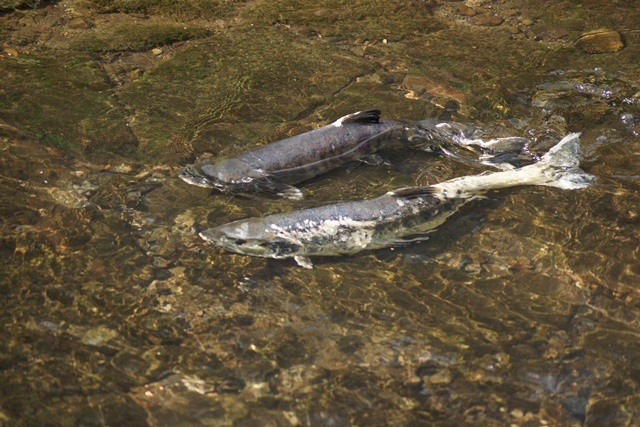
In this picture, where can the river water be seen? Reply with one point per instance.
(522, 309)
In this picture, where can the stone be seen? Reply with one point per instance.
(488, 20)
(11, 51)
(600, 41)
(517, 413)
(418, 85)
(465, 10)
(79, 23)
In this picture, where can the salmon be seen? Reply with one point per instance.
(273, 169)
(396, 218)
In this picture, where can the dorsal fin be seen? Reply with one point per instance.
(366, 116)
(411, 192)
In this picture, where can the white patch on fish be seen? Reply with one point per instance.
(338, 123)
(360, 235)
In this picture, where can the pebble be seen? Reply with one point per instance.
(600, 41)
(418, 85)
(441, 377)
(135, 74)
(10, 51)
(517, 413)
(79, 24)
(156, 51)
(549, 32)
(488, 20)
(465, 10)
(527, 21)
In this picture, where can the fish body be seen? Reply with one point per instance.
(449, 138)
(397, 217)
(344, 228)
(273, 168)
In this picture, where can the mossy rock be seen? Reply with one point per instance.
(384, 19)
(64, 100)
(185, 9)
(18, 4)
(135, 35)
(233, 88)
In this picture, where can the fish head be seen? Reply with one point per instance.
(192, 175)
(196, 175)
(253, 237)
(222, 174)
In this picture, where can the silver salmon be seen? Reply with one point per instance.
(273, 168)
(395, 218)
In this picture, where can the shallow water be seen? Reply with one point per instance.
(521, 309)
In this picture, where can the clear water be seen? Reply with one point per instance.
(522, 309)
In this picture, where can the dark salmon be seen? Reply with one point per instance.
(274, 167)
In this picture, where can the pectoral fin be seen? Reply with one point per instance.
(303, 261)
(269, 186)
(290, 192)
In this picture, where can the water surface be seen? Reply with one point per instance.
(522, 309)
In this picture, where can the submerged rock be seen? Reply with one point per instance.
(489, 20)
(600, 41)
(11, 4)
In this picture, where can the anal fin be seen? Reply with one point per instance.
(267, 185)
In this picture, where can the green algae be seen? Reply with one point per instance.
(253, 76)
(185, 9)
(388, 19)
(14, 4)
(64, 100)
(132, 36)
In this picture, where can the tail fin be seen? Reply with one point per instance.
(558, 168)
(449, 138)
(564, 164)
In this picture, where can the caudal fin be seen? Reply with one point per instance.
(563, 165)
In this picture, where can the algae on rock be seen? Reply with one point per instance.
(255, 76)
(84, 117)
(128, 34)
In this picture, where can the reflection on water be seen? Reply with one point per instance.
(522, 309)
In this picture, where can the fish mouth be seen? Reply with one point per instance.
(275, 247)
(193, 175)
